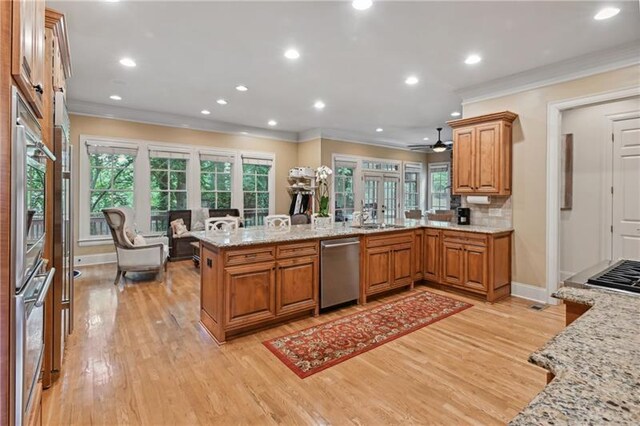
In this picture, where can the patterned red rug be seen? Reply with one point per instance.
(322, 346)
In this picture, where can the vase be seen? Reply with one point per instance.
(322, 222)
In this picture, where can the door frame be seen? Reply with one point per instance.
(554, 136)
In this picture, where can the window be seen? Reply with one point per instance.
(255, 189)
(215, 181)
(111, 183)
(412, 186)
(344, 190)
(380, 165)
(439, 188)
(168, 172)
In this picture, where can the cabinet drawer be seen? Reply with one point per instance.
(253, 255)
(465, 237)
(298, 249)
(389, 239)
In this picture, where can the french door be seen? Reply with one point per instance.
(381, 196)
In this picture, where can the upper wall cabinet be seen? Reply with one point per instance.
(482, 154)
(27, 56)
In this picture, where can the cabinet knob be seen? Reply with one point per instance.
(38, 88)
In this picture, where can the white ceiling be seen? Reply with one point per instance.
(189, 54)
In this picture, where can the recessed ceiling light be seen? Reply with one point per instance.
(361, 4)
(425, 139)
(272, 123)
(411, 80)
(222, 102)
(128, 62)
(244, 133)
(205, 112)
(319, 105)
(115, 97)
(455, 114)
(292, 54)
(379, 129)
(472, 59)
(241, 88)
(606, 13)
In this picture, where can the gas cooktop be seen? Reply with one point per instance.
(623, 275)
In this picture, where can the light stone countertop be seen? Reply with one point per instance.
(258, 235)
(596, 361)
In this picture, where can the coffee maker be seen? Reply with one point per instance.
(464, 216)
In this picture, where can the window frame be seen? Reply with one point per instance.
(430, 169)
(270, 176)
(168, 190)
(142, 180)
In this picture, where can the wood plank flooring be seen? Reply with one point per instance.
(139, 356)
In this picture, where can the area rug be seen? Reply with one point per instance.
(322, 346)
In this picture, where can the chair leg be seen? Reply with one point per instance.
(118, 275)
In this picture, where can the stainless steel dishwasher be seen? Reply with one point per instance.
(339, 271)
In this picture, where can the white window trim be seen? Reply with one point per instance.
(142, 180)
(422, 182)
(360, 173)
(433, 166)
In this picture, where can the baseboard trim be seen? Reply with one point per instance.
(94, 259)
(530, 292)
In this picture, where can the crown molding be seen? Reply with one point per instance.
(175, 120)
(622, 56)
(309, 135)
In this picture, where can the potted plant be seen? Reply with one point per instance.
(322, 219)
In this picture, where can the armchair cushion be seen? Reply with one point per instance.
(139, 241)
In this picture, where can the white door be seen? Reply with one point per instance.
(626, 189)
(381, 196)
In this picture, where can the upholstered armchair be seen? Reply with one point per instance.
(150, 256)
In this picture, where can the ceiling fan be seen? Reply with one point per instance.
(439, 146)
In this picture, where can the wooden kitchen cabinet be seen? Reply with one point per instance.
(249, 294)
(419, 257)
(248, 288)
(389, 262)
(432, 250)
(28, 53)
(297, 282)
(478, 263)
(482, 154)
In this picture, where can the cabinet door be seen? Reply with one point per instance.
(475, 267)
(418, 251)
(463, 160)
(487, 158)
(402, 259)
(377, 269)
(297, 285)
(432, 255)
(27, 62)
(452, 263)
(250, 293)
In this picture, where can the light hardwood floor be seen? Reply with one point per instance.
(139, 356)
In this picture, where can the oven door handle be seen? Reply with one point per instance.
(45, 286)
(22, 134)
(42, 147)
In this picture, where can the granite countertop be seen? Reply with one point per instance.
(258, 235)
(596, 361)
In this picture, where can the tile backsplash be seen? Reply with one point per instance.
(496, 214)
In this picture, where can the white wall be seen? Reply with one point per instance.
(585, 237)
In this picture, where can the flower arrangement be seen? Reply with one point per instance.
(322, 179)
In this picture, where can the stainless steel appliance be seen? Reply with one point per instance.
(621, 276)
(29, 340)
(28, 178)
(30, 280)
(62, 255)
(339, 271)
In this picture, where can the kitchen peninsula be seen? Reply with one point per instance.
(252, 278)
